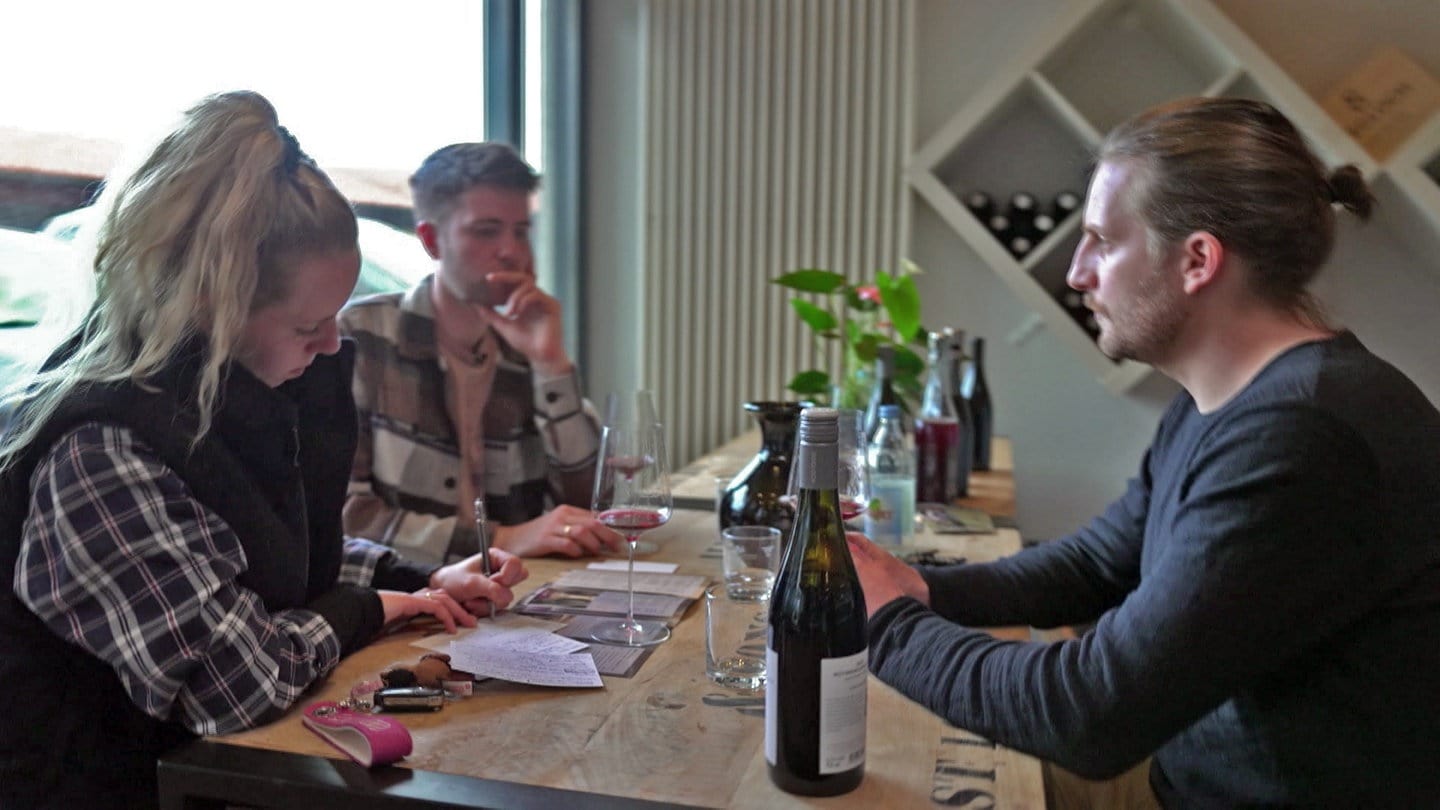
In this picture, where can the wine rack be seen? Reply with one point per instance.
(1037, 124)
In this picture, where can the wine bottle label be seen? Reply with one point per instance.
(843, 702)
(890, 516)
(842, 712)
(772, 709)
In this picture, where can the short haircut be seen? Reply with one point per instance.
(455, 169)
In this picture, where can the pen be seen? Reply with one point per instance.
(484, 543)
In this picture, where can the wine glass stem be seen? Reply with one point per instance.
(631, 540)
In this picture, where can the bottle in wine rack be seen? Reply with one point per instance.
(980, 205)
(1043, 225)
(1023, 205)
(1000, 227)
(1072, 300)
(1063, 205)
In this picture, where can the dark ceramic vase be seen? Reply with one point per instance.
(752, 498)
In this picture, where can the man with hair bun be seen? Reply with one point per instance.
(463, 383)
(1265, 596)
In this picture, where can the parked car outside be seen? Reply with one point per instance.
(44, 291)
(390, 259)
(46, 285)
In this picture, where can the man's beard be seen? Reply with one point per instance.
(1148, 325)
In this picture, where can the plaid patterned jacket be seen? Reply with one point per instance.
(156, 590)
(541, 437)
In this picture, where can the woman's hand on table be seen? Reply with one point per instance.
(884, 577)
(465, 584)
(401, 606)
(565, 530)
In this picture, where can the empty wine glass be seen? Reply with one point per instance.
(853, 478)
(632, 496)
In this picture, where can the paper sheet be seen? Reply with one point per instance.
(641, 566)
(538, 670)
(490, 631)
(685, 587)
(549, 600)
(517, 642)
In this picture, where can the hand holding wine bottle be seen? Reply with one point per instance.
(884, 576)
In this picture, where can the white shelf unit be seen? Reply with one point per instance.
(1409, 190)
(1037, 124)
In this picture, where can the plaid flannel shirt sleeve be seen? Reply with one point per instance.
(118, 558)
(365, 562)
(570, 428)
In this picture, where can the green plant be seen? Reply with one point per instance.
(865, 317)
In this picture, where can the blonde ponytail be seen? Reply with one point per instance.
(198, 236)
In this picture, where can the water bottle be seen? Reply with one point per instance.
(890, 516)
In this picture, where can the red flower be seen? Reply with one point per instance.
(868, 292)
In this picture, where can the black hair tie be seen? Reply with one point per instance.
(293, 154)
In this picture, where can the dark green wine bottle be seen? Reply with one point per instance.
(817, 656)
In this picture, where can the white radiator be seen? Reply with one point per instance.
(775, 139)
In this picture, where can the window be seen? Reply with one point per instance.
(369, 87)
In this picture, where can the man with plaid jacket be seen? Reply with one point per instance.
(463, 383)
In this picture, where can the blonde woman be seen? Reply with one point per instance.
(171, 489)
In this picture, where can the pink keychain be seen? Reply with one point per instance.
(369, 739)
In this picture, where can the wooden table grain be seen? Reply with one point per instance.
(700, 481)
(668, 734)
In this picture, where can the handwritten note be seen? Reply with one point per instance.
(685, 587)
(538, 670)
(502, 631)
(519, 642)
(641, 566)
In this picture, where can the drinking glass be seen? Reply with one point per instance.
(853, 477)
(632, 496)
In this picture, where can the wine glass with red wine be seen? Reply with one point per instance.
(632, 496)
(854, 477)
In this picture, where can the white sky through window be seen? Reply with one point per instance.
(361, 83)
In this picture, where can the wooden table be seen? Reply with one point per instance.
(699, 482)
(667, 735)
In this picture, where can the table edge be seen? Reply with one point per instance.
(208, 770)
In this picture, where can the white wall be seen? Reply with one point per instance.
(614, 80)
(1076, 443)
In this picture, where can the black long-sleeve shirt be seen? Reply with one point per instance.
(1268, 602)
